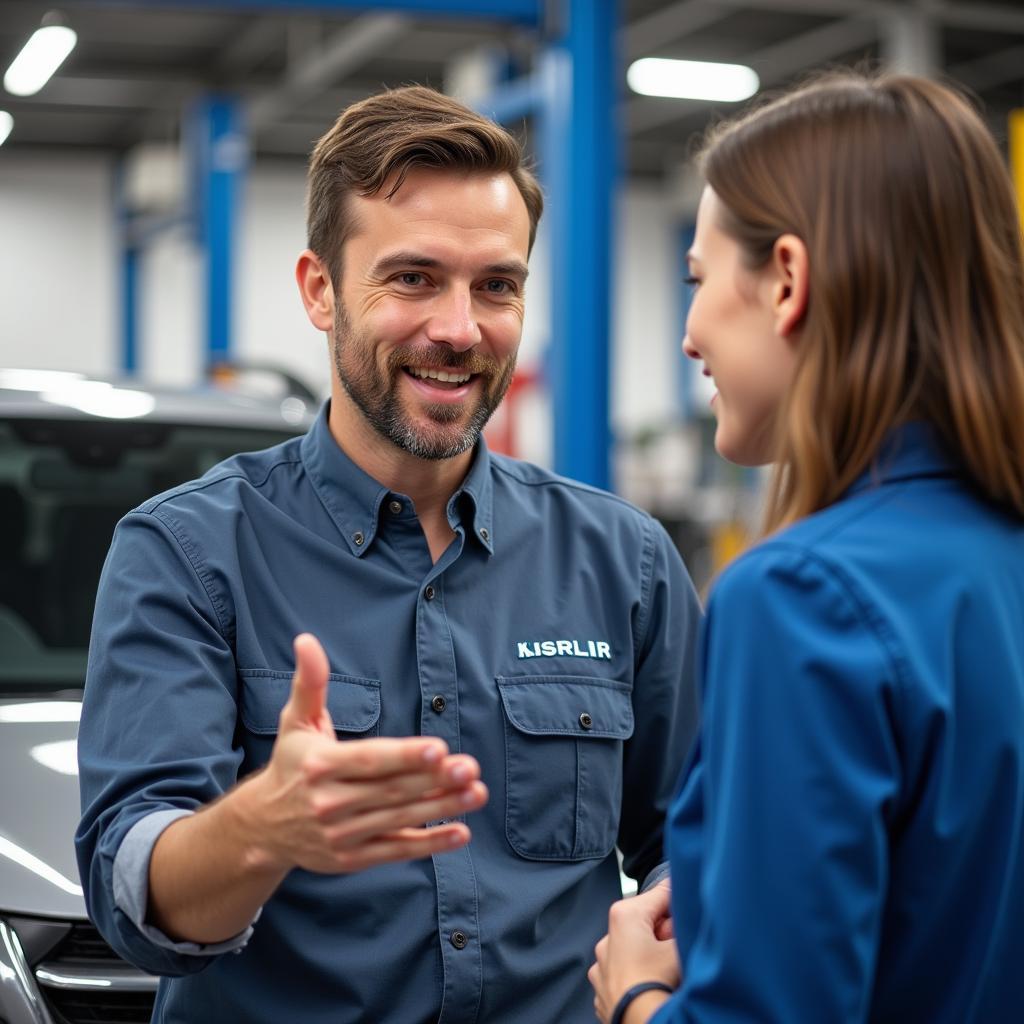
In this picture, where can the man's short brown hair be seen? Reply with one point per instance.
(377, 141)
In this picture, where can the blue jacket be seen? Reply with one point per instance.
(555, 640)
(849, 842)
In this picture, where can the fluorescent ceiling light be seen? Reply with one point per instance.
(40, 57)
(6, 124)
(692, 79)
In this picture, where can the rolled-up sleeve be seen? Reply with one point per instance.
(157, 730)
(665, 705)
(779, 835)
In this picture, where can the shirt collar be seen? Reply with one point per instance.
(909, 450)
(353, 498)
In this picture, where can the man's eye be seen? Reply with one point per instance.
(411, 279)
(692, 282)
(499, 287)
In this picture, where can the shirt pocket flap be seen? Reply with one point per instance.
(579, 706)
(352, 702)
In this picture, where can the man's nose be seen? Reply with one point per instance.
(689, 348)
(453, 320)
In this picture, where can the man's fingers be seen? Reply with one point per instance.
(405, 844)
(384, 757)
(366, 828)
(337, 799)
(306, 703)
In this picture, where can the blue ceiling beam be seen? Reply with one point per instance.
(523, 12)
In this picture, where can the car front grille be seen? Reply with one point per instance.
(69, 1007)
(83, 981)
(83, 944)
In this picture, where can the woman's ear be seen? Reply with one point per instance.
(316, 289)
(789, 291)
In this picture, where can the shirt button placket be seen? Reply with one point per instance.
(457, 906)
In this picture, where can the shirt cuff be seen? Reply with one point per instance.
(131, 886)
(656, 875)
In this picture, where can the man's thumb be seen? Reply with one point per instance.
(309, 684)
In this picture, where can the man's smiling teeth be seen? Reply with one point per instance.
(453, 378)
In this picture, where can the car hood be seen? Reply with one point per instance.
(39, 807)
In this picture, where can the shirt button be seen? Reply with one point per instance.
(458, 940)
(585, 720)
(357, 539)
(438, 703)
(394, 507)
(484, 534)
(429, 593)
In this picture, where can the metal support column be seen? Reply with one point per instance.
(580, 166)
(129, 308)
(219, 154)
(128, 273)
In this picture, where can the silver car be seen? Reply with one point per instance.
(75, 455)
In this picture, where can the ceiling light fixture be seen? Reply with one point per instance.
(40, 57)
(692, 79)
(6, 124)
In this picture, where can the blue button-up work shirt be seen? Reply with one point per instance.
(554, 640)
(849, 846)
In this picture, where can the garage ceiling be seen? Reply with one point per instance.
(136, 66)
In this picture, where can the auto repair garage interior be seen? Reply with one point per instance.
(151, 210)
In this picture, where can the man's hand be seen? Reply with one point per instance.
(633, 952)
(320, 803)
(340, 806)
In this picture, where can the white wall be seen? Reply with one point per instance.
(60, 305)
(646, 321)
(58, 272)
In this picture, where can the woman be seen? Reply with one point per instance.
(848, 843)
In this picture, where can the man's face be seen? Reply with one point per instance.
(429, 311)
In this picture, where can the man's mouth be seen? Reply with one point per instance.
(447, 380)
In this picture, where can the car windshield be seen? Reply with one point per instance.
(64, 484)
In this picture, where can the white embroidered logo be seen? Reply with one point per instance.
(564, 649)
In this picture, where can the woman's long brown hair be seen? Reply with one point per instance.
(916, 292)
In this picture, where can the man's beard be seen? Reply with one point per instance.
(376, 392)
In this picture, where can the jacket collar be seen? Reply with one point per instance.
(908, 451)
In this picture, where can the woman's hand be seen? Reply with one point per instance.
(638, 947)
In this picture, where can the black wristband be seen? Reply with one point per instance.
(631, 993)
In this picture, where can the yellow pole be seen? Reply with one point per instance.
(1017, 158)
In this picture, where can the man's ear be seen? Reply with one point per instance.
(316, 289)
(789, 289)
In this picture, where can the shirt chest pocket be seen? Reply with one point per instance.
(353, 704)
(563, 764)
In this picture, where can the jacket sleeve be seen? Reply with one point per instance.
(664, 705)
(785, 819)
(157, 729)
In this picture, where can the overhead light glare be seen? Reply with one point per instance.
(39, 59)
(6, 124)
(692, 79)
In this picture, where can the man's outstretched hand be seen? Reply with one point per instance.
(339, 806)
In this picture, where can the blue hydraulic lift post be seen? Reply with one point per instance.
(128, 270)
(580, 166)
(129, 308)
(220, 155)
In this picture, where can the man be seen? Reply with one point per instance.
(469, 626)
